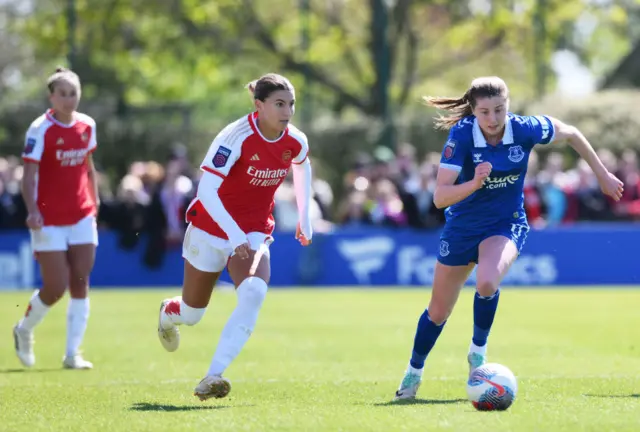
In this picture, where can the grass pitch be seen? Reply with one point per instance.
(330, 360)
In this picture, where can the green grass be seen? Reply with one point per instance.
(330, 360)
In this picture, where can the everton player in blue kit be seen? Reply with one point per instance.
(480, 183)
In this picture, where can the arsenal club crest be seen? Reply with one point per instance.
(286, 156)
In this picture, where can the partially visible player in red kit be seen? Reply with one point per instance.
(59, 188)
(231, 222)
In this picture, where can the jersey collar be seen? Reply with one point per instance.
(253, 117)
(480, 142)
(52, 119)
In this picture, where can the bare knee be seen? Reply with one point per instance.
(486, 288)
(197, 286)
(55, 276)
(438, 314)
(78, 286)
(448, 281)
(50, 293)
(81, 259)
(258, 265)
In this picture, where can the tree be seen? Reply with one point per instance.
(369, 57)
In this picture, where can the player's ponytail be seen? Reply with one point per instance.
(251, 87)
(458, 107)
(463, 106)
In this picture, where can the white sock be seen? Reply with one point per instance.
(77, 317)
(414, 371)
(177, 312)
(482, 350)
(35, 312)
(236, 332)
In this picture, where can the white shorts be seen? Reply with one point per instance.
(59, 238)
(210, 254)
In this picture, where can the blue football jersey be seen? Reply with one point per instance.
(501, 199)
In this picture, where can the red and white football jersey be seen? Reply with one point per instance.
(64, 193)
(252, 168)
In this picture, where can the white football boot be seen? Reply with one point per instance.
(409, 386)
(212, 386)
(23, 340)
(475, 360)
(169, 337)
(76, 362)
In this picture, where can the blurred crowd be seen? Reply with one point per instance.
(385, 188)
(396, 189)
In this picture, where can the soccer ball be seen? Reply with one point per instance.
(492, 387)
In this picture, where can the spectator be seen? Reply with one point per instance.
(383, 188)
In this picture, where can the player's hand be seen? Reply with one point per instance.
(301, 238)
(243, 251)
(482, 172)
(612, 186)
(174, 237)
(34, 221)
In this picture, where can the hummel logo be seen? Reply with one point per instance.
(255, 157)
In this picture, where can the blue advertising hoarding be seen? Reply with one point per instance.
(574, 255)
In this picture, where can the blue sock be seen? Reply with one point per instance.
(426, 336)
(484, 311)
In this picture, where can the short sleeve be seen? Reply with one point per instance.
(33, 144)
(538, 128)
(221, 156)
(304, 147)
(93, 142)
(453, 153)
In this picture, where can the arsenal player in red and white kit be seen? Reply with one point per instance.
(59, 189)
(231, 222)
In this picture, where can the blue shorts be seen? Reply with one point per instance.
(459, 249)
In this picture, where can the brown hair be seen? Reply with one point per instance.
(261, 88)
(484, 87)
(62, 74)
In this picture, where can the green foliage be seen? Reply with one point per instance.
(608, 119)
(185, 50)
(156, 73)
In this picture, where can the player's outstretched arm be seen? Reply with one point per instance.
(609, 183)
(302, 186)
(447, 193)
(209, 185)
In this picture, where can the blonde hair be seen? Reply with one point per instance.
(63, 74)
(461, 107)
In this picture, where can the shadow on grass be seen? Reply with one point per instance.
(422, 402)
(26, 370)
(628, 396)
(147, 406)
